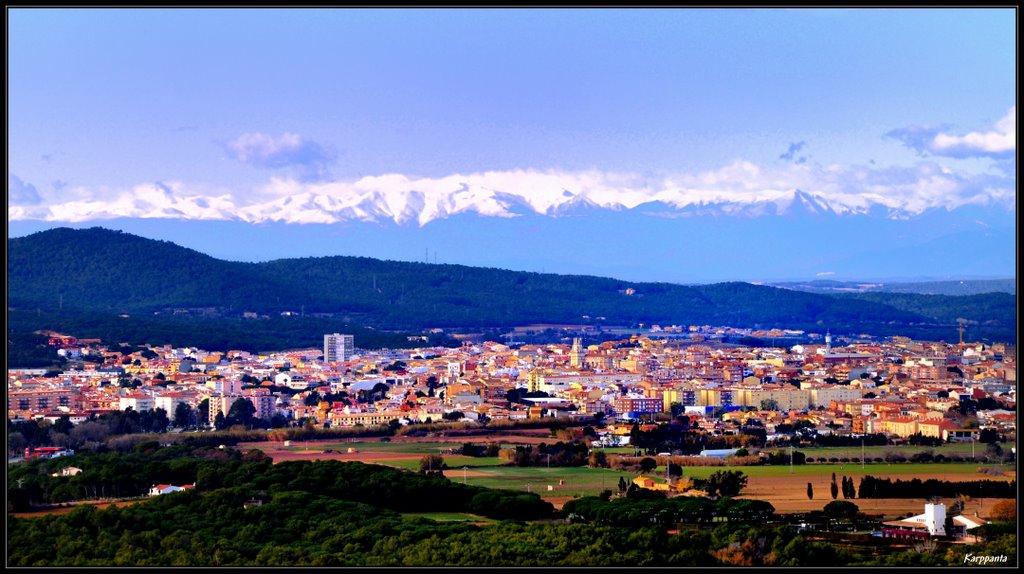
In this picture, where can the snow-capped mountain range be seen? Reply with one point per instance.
(740, 189)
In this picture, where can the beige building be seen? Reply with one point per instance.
(897, 426)
(786, 399)
(822, 396)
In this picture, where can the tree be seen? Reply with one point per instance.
(432, 463)
(157, 420)
(769, 405)
(219, 421)
(993, 451)
(726, 482)
(378, 392)
(63, 425)
(622, 485)
(598, 459)
(840, 509)
(182, 415)
(1004, 511)
(810, 491)
(124, 380)
(15, 443)
(674, 470)
(647, 464)
(312, 399)
(988, 436)
(241, 412)
(203, 412)
(834, 487)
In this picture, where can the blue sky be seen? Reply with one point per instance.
(117, 113)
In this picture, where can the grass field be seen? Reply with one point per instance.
(563, 481)
(449, 517)
(453, 461)
(783, 486)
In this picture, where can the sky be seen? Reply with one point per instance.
(322, 116)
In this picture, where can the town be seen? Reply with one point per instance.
(895, 387)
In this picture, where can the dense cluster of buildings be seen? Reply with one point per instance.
(898, 386)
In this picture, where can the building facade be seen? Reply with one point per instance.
(338, 348)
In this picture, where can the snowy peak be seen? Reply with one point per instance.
(407, 201)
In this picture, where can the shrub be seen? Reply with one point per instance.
(1005, 510)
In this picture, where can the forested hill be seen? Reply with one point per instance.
(96, 270)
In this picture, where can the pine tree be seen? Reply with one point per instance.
(835, 487)
(810, 492)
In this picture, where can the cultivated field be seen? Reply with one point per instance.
(785, 487)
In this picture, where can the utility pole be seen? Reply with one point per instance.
(464, 474)
(862, 453)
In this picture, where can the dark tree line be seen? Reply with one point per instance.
(873, 487)
(558, 454)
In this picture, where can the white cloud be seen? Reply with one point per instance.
(1000, 140)
(740, 187)
(288, 150)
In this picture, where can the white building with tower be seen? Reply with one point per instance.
(338, 348)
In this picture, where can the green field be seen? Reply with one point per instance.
(454, 462)
(584, 481)
(590, 481)
(576, 481)
(448, 516)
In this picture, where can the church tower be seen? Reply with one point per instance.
(576, 355)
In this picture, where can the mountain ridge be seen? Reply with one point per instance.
(102, 271)
(405, 201)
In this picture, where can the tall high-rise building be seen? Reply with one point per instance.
(338, 348)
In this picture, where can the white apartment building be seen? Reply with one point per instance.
(338, 348)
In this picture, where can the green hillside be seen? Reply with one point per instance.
(67, 275)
